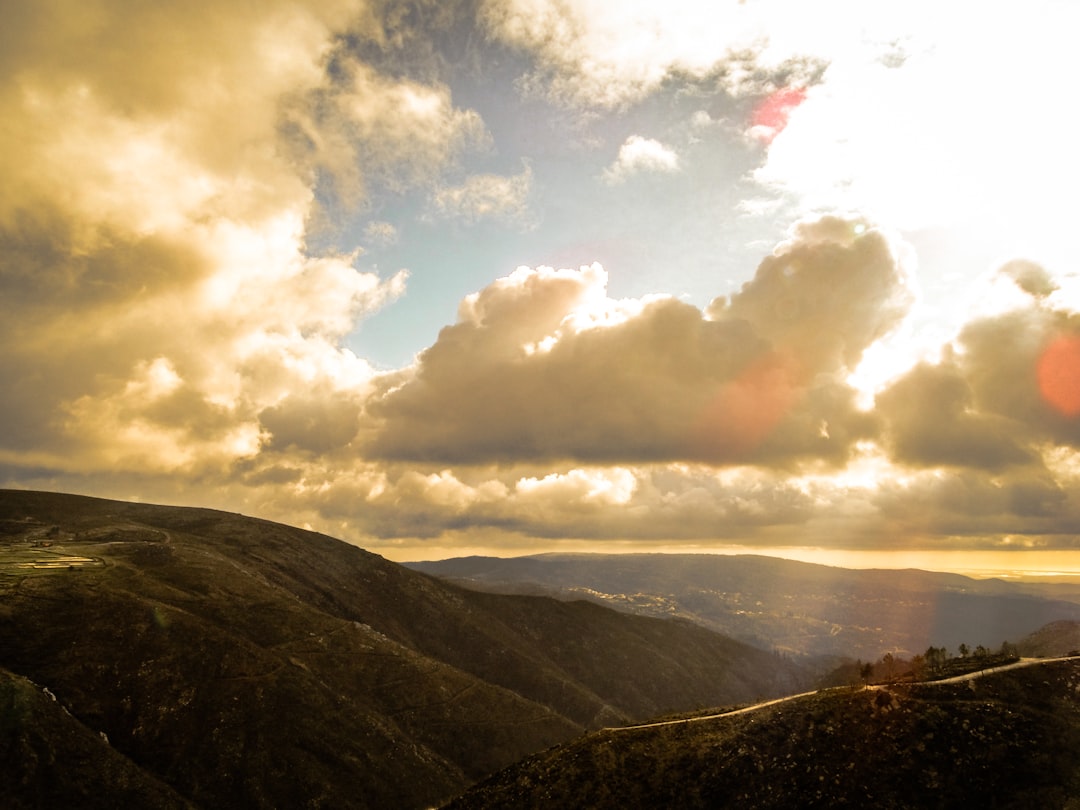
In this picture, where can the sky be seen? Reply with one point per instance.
(448, 277)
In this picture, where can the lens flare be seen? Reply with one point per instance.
(770, 117)
(746, 410)
(1059, 375)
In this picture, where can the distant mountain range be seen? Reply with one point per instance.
(165, 657)
(793, 607)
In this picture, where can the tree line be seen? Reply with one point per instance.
(934, 664)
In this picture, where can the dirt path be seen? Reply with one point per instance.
(1023, 662)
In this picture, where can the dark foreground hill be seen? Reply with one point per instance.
(796, 607)
(1006, 740)
(164, 657)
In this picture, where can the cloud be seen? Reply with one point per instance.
(596, 54)
(583, 502)
(1030, 277)
(487, 196)
(971, 506)
(542, 365)
(364, 127)
(862, 113)
(638, 154)
(171, 329)
(159, 299)
(1021, 366)
(989, 435)
(770, 116)
(933, 422)
(952, 114)
(381, 233)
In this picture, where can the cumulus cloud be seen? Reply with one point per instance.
(1030, 277)
(1022, 366)
(160, 306)
(543, 365)
(991, 432)
(933, 422)
(638, 154)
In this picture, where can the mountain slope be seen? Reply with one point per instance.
(1006, 740)
(1056, 638)
(796, 607)
(245, 663)
(49, 759)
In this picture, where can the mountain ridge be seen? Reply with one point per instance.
(245, 663)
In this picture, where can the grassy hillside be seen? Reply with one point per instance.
(237, 662)
(1006, 740)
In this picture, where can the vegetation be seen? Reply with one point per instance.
(234, 662)
(935, 664)
(797, 608)
(1010, 739)
(203, 659)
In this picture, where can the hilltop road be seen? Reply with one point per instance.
(1023, 662)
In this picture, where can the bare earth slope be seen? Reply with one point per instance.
(236, 662)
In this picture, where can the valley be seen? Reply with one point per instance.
(202, 659)
(799, 609)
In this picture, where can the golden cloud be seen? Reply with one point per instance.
(543, 366)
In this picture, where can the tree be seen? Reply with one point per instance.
(918, 667)
(964, 650)
(935, 658)
(866, 672)
(889, 663)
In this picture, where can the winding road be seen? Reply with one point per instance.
(1023, 662)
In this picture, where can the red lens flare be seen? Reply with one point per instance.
(1059, 375)
(771, 115)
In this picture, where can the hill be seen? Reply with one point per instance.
(1056, 638)
(797, 608)
(204, 657)
(1009, 739)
